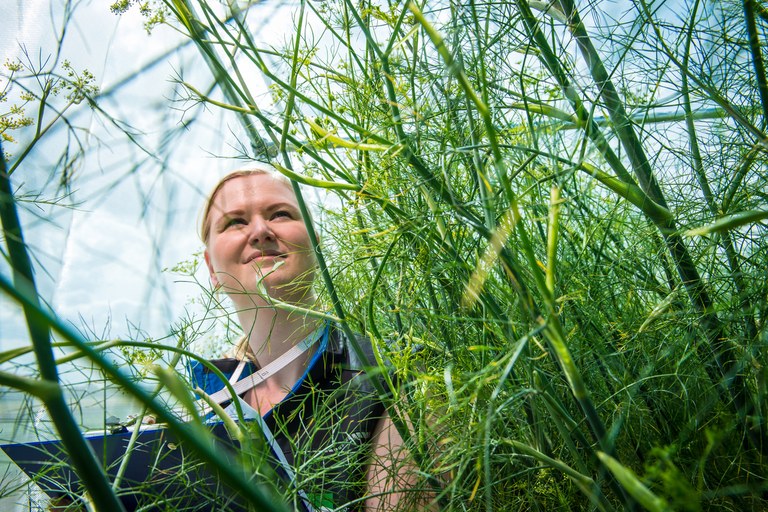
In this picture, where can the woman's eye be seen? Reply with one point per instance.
(282, 214)
(234, 222)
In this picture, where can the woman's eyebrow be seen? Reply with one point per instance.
(231, 213)
(282, 205)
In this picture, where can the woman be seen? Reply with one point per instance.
(320, 413)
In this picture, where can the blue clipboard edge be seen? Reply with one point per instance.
(157, 458)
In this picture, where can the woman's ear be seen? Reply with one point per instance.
(211, 271)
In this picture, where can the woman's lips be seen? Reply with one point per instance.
(261, 255)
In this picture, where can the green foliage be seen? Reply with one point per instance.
(516, 180)
(14, 117)
(453, 123)
(154, 11)
(671, 481)
(78, 85)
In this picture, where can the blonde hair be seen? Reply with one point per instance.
(240, 350)
(205, 222)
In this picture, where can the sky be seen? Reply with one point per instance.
(101, 264)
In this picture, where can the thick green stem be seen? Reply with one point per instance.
(757, 56)
(569, 90)
(736, 273)
(83, 459)
(644, 173)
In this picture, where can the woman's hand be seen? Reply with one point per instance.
(393, 480)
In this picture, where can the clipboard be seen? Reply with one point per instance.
(160, 474)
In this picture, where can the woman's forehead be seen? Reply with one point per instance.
(259, 188)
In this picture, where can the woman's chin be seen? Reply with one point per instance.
(292, 292)
(266, 291)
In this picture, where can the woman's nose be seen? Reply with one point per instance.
(260, 232)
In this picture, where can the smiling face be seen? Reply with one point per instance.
(257, 235)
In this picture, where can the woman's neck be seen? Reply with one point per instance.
(271, 332)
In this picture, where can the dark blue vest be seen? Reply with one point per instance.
(324, 426)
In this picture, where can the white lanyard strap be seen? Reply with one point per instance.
(237, 372)
(281, 459)
(259, 376)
